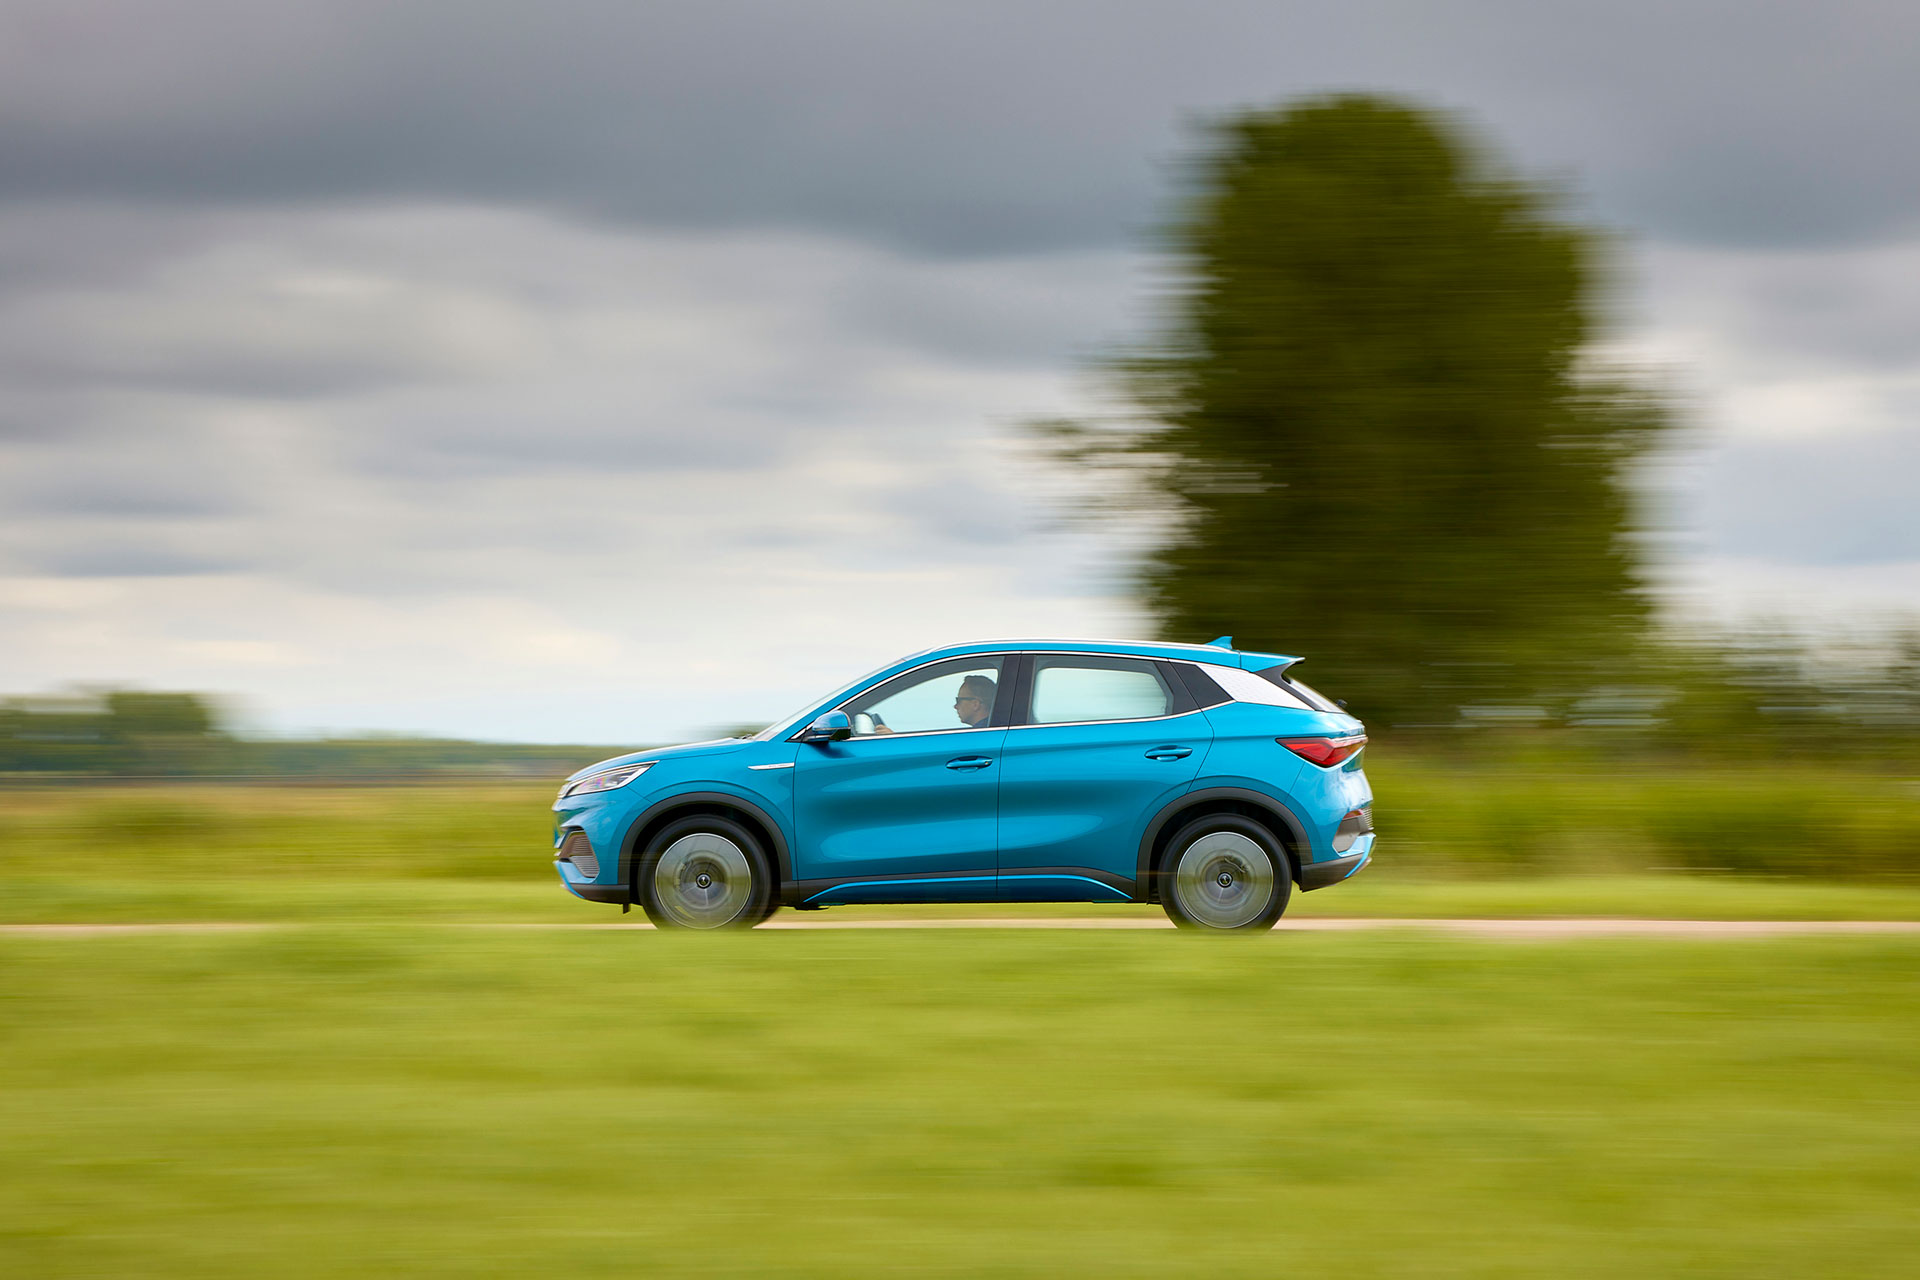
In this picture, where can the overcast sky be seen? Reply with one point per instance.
(610, 371)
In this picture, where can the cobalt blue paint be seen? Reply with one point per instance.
(1197, 776)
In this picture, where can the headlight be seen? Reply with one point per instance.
(608, 780)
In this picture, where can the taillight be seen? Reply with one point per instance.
(1325, 752)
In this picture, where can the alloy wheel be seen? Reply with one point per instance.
(702, 881)
(1224, 880)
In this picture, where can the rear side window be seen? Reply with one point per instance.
(1318, 701)
(1245, 686)
(1079, 688)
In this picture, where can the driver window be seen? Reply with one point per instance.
(958, 694)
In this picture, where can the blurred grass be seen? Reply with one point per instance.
(1528, 837)
(1566, 814)
(328, 1101)
(1382, 893)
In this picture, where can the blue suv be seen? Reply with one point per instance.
(1196, 776)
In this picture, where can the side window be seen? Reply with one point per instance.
(1067, 689)
(1245, 686)
(960, 693)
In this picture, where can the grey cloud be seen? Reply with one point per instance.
(130, 559)
(1828, 499)
(450, 444)
(955, 509)
(1039, 311)
(140, 497)
(548, 398)
(987, 127)
(1854, 308)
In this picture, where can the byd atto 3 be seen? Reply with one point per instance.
(1196, 776)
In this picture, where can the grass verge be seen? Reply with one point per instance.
(483, 852)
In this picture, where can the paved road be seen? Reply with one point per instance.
(1558, 927)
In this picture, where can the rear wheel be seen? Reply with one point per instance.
(704, 872)
(1224, 872)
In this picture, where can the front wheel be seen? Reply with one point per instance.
(705, 873)
(1224, 872)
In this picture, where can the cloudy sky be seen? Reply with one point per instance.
(608, 371)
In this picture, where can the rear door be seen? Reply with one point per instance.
(1100, 743)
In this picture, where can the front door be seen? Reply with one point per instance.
(905, 810)
(1105, 743)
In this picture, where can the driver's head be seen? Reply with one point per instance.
(975, 701)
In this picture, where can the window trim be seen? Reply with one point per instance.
(1192, 671)
(1020, 662)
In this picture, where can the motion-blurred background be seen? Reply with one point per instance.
(383, 386)
(403, 404)
(609, 373)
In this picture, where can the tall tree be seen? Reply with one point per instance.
(1374, 423)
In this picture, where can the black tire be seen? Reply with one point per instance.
(704, 872)
(1225, 873)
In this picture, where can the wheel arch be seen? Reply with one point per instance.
(720, 804)
(1248, 803)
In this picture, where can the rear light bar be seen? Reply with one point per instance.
(1325, 752)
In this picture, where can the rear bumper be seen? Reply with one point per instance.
(1318, 875)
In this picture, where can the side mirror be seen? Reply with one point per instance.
(829, 726)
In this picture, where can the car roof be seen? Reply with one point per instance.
(1133, 648)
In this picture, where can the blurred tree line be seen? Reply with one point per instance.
(129, 733)
(1374, 429)
(120, 731)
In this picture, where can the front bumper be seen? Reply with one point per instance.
(1318, 875)
(582, 887)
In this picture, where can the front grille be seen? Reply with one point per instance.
(578, 850)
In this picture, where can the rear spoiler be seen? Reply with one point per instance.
(1271, 665)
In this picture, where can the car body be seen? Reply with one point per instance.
(994, 771)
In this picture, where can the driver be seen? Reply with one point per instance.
(974, 705)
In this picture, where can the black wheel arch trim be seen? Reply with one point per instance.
(1293, 830)
(662, 809)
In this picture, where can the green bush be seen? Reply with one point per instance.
(498, 833)
(1800, 820)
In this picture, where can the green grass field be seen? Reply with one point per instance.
(367, 1092)
(415, 1101)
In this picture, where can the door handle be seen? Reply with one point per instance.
(969, 762)
(1169, 753)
